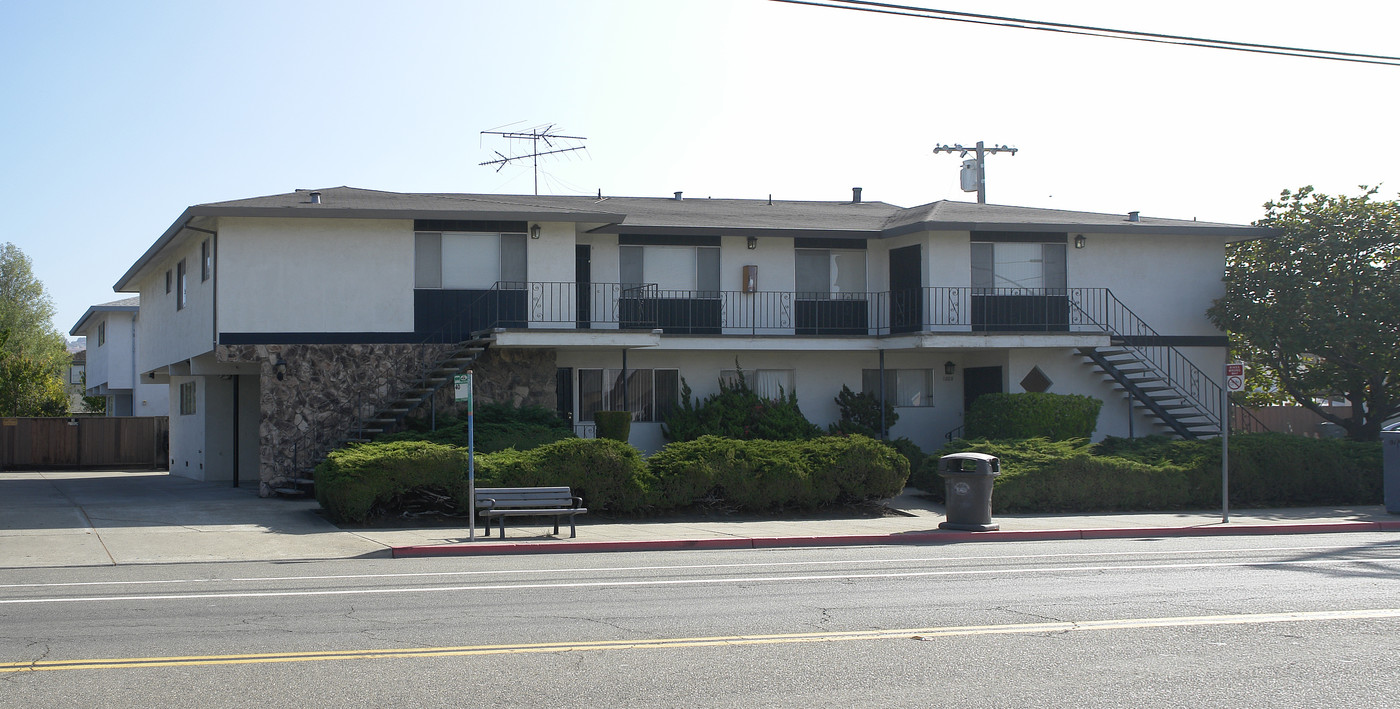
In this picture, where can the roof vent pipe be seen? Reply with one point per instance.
(1133, 217)
(678, 196)
(855, 195)
(315, 197)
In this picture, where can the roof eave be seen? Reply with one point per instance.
(673, 230)
(1234, 233)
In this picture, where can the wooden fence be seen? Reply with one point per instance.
(85, 442)
(1292, 419)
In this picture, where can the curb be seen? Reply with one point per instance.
(939, 537)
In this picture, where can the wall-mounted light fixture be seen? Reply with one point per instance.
(280, 368)
(534, 231)
(1078, 241)
(948, 368)
(753, 242)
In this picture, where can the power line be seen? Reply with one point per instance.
(1092, 31)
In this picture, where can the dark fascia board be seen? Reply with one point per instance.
(861, 235)
(1236, 233)
(100, 309)
(124, 285)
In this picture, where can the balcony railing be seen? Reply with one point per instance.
(601, 306)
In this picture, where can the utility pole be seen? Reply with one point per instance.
(535, 136)
(974, 172)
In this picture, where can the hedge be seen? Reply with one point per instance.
(755, 475)
(1155, 473)
(1057, 417)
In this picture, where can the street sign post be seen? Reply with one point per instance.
(1234, 381)
(462, 384)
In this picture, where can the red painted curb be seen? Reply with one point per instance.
(1228, 529)
(932, 537)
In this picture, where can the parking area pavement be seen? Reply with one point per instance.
(119, 517)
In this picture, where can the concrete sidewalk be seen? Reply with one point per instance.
(107, 518)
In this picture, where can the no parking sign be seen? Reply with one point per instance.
(1234, 376)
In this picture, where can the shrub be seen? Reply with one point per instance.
(615, 425)
(1033, 415)
(776, 475)
(1156, 473)
(351, 481)
(738, 412)
(860, 413)
(498, 427)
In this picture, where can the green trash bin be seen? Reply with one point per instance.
(968, 479)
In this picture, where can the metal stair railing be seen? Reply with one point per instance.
(1100, 307)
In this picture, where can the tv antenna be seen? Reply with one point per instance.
(974, 172)
(553, 142)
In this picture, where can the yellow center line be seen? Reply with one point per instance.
(724, 640)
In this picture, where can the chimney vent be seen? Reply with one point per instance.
(678, 196)
(855, 195)
(1133, 217)
(315, 197)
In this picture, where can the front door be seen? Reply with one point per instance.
(583, 276)
(906, 289)
(978, 381)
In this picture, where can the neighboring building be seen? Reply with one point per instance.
(110, 330)
(289, 322)
(73, 380)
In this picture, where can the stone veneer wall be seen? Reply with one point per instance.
(315, 404)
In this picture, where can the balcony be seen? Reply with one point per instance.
(613, 306)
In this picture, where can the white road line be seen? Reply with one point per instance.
(681, 567)
(697, 582)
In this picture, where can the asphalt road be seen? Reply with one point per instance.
(1189, 622)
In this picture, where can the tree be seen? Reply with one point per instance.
(32, 353)
(1316, 310)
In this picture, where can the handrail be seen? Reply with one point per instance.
(1196, 388)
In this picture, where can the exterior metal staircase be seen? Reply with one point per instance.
(1159, 376)
(1176, 405)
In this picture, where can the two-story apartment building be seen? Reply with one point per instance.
(110, 329)
(289, 322)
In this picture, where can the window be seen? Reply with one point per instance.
(652, 394)
(206, 261)
(673, 268)
(77, 375)
(167, 281)
(903, 387)
(767, 383)
(101, 333)
(469, 260)
(181, 285)
(187, 399)
(830, 273)
(1018, 266)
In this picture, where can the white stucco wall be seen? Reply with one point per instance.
(315, 275)
(1168, 281)
(187, 445)
(164, 333)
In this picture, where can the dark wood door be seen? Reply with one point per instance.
(978, 381)
(583, 277)
(906, 289)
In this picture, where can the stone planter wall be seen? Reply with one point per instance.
(328, 388)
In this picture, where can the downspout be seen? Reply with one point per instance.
(237, 421)
(883, 434)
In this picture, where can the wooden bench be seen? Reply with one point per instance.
(506, 502)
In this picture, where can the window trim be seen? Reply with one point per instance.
(928, 395)
(188, 398)
(608, 377)
(182, 279)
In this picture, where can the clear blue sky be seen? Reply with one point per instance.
(117, 116)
